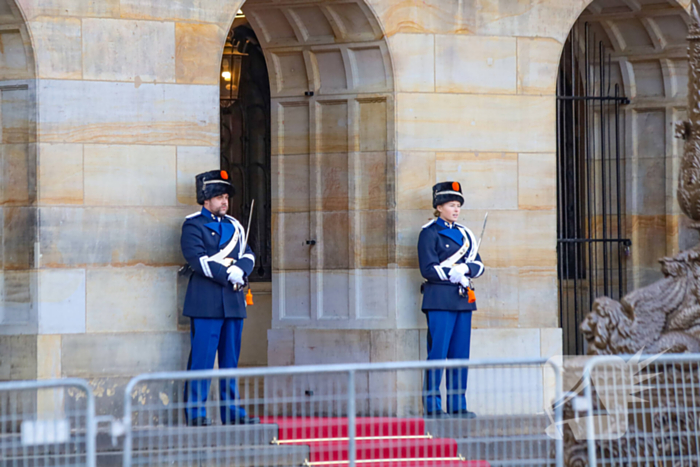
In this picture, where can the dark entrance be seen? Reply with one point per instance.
(245, 141)
(591, 247)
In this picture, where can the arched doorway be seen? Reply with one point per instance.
(18, 197)
(622, 86)
(246, 155)
(331, 159)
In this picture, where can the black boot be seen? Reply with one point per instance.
(199, 421)
(437, 415)
(243, 421)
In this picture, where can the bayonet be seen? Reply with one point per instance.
(475, 251)
(244, 245)
(247, 232)
(472, 257)
(483, 229)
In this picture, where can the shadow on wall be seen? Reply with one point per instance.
(18, 198)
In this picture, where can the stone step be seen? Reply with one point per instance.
(522, 463)
(247, 445)
(487, 426)
(150, 438)
(502, 441)
(244, 446)
(184, 436)
(11, 447)
(42, 461)
(249, 456)
(521, 449)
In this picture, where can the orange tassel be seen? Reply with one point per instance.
(249, 297)
(471, 295)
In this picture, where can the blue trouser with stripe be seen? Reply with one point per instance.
(208, 336)
(449, 336)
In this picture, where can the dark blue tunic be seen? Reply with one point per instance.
(209, 293)
(437, 242)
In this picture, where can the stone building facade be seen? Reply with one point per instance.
(110, 108)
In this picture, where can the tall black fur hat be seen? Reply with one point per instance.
(212, 184)
(444, 192)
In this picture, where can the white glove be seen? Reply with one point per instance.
(465, 282)
(457, 273)
(235, 275)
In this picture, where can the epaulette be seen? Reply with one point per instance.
(194, 214)
(429, 223)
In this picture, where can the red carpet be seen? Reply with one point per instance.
(381, 442)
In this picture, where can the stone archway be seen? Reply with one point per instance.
(647, 46)
(333, 156)
(19, 313)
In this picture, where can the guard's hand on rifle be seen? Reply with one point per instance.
(235, 275)
(457, 273)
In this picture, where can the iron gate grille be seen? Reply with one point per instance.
(591, 250)
(245, 150)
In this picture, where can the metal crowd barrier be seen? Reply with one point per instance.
(47, 423)
(643, 410)
(339, 415)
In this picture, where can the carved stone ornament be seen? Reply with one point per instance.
(663, 317)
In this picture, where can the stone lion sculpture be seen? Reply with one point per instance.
(662, 317)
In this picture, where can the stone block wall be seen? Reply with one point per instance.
(125, 121)
(476, 103)
(405, 94)
(127, 103)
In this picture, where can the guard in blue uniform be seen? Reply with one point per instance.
(448, 263)
(219, 260)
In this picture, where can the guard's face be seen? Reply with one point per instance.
(218, 205)
(450, 211)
